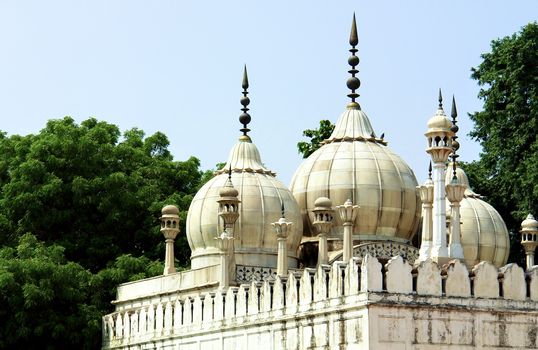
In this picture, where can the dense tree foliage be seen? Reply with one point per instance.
(507, 171)
(91, 191)
(79, 208)
(51, 303)
(316, 136)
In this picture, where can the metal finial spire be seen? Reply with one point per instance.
(455, 143)
(430, 171)
(353, 83)
(282, 209)
(230, 172)
(244, 118)
(440, 99)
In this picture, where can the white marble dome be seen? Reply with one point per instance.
(484, 236)
(261, 195)
(355, 164)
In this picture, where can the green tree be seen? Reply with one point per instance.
(51, 303)
(91, 191)
(507, 171)
(316, 136)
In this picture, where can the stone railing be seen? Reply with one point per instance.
(336, 286)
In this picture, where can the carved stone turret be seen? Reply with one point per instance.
(454, 193)
(529, 238)
(170, 229)
(323, 221)
(439, 135)
(281, 229)
(348, 213)
(229, 213)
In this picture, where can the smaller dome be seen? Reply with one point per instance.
(484, 236)
(170, 210)
(439, 122)
(228, 190)
(529, 224)
(323, 202)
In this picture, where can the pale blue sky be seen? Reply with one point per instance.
(175, 66)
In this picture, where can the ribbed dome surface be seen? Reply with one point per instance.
(355, 164)
(261, 196)
(484, 235)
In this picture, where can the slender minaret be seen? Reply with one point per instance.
(454, 193)
(229, 213)
(170, 229)
(323, 221)
(348, 213)
(439, 137)
(281, 228)
(426, 196)
(529, 234)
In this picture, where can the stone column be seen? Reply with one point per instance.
(348, 213)
(225, 240)
(323, 221)
(281, 229)
(170, 229)
(454, 193)
(426, 195)
(529, 240)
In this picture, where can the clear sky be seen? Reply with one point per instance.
(175, 66)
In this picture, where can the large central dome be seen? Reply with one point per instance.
(353, 163)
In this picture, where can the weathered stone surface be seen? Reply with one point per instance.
(241, 304)
(398, 278)
(320, 284)
(486, 281)
(218, 302)
(428, 278)
(291, 294)
(168, 321)
(532, 274)
(336, 282)
(371, 277)
(457, 282)
(514, 286)
(253, 298)
(187, 311)
(266, 296)
(351, 284)
(208, 308)
(197, 310)
(229, 303)
(278, 294)
(305, 289)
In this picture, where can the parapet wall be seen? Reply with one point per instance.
(336, 295)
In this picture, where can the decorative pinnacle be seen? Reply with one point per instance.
(455, 143)
(353, 83)
(440, 99)
(282, 209)
(244, 118)
(430, 171)
(230, 173)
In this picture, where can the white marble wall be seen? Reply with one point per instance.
(343, 306)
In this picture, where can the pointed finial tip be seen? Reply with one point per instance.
(282, 209)
(430, 170)
(454, 112)
(353, 37)
(245, 78)
(440, 99)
